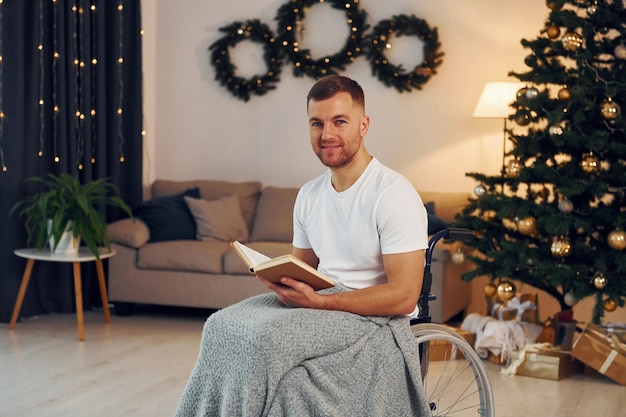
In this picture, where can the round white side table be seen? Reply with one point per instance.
(83, 255)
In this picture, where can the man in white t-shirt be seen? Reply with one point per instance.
(360, 222)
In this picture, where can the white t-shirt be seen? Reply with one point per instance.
(381, 213)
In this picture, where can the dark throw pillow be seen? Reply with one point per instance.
(435, 223)
(168, 217)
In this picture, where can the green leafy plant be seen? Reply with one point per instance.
(66, 200)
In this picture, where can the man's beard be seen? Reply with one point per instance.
(343, 160)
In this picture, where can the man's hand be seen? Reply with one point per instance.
(294, 293)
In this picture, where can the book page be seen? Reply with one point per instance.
(253, 257)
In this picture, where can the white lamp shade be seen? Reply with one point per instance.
(495, 99)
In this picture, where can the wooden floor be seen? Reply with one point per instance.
(138, 366)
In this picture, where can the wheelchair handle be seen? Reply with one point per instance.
(464, 235)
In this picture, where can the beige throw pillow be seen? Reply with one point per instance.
(218, 219)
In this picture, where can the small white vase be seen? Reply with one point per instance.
(68, 245)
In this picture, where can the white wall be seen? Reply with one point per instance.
(197, 129)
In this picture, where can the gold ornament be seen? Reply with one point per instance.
(564, 94)
(555, 130)
(522, 118)
(561, 247)
(513, 168)
(590, 164)
(553, 31)
(610, 304)
(591, 10)
(610, 110)
(554, 4)
(599, 281)
(506, 291)
(490, 290)
(572, 41)
(526, 226)
(620, 51)
(617, 239)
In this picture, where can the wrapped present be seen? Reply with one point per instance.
(616, 329)
(600, 349)
(440, 350)
(548, 333)
(542, 360)
(495, 339)
(557, 333)
(522, 307)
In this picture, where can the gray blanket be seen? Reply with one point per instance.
(258, 358)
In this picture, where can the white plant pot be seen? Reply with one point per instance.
(68, 245)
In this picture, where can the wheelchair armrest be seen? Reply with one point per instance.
(464, 235)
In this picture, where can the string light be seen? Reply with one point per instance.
(84, 58)
(79, 53)
(42, 123)
(56, 55)
(4, 167)
(94, 62)
(120, 63)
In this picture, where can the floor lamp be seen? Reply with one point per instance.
(494, 103)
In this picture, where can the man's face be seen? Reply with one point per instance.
(336, 126)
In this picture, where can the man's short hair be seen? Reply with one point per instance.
(328, 86)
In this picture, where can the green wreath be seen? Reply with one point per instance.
(394, 75)
(255, 31)
(292, 12)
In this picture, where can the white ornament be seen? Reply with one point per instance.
(458, 257)
(566, 206)
(480, 190)
(531, 93)
(570, 299)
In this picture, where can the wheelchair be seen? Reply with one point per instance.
(456, 385)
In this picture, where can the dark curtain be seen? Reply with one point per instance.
(70, 88)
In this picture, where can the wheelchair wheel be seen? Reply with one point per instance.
(456, 384)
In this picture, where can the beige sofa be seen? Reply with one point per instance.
(208, 274)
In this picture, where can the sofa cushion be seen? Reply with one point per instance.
(129, 232)
(168, 217)
(448, 203)
(184, 255)
(212, 190)
(218, 219)
(435, 223)
(234, 265)
(274, 215)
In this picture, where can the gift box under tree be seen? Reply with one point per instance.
(601, 349)
(542, 360)
(522, 307)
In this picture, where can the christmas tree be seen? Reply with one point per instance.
(555, 215)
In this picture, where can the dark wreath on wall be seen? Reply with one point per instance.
(255, 31)
(285, 45)
(288, 17)
(394, 75)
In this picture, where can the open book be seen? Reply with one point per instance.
(288, 265)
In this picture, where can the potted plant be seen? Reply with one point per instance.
(67, 206)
